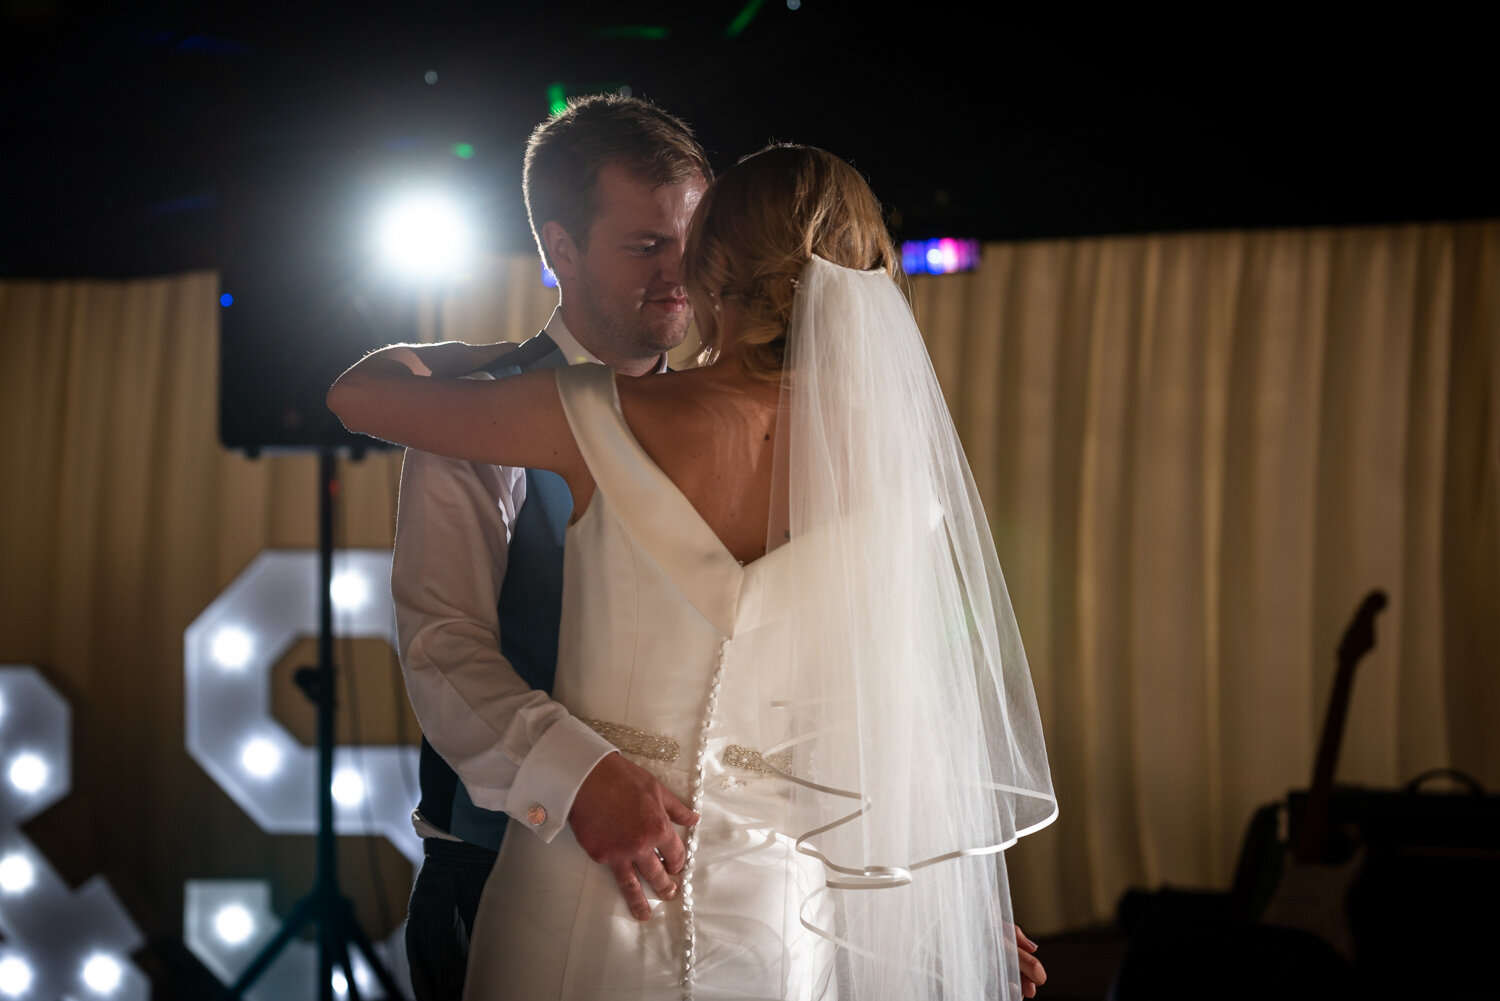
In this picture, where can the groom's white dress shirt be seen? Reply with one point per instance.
(513, 747)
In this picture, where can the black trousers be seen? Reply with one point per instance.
(440, 916)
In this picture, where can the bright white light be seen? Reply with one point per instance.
(425, 237)
(261, 758)
(15, 976)
(363, 978)
(102, 973)
(234, 924)
(349, 591)
(16, 873)
(28, 772)
(348, 787)
(232, 647)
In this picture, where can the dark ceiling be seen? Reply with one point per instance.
(130, 127)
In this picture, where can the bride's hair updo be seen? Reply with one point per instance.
(758, 226)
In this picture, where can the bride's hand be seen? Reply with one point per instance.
(623, 818)
(1032, 973)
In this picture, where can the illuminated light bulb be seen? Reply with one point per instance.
(348, 787)
(234, 924)
(28, 772)
(261, 758)
(349, 591)
(102, 973)
(232, 647)
(362, 976)
(949, 255)
(15, 976)
(16, 873)
(425, 236)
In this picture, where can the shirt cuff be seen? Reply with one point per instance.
(549, 777)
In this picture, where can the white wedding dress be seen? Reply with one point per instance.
(674, 651)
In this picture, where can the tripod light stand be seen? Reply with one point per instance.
(325, 905)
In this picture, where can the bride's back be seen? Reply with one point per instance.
(712, 432)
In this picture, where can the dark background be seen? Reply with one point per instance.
(138, 137)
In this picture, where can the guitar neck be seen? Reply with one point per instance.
(1312, 836)
(1358, 640)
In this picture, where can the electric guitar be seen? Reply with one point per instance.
(1314, 885)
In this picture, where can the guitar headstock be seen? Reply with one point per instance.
(1359, 637)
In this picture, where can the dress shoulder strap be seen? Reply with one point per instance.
(592, 406)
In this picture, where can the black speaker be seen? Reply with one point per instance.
(304, 297)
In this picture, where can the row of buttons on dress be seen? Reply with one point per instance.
(689, 932)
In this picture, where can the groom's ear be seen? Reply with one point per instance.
(561, 250)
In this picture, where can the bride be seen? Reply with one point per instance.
(781, 599)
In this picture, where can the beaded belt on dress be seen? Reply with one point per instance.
(659, 748)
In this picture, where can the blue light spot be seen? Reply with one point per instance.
(189, 203)
(548, 278)
(226, 300)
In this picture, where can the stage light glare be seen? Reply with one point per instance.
(363, 978)
(102, 973)
(234, 924)
(349, 591)
(232, 647)
(15, 976)
(261, 758)
(348, 787)
(17, 874)
(28, 772)
(426, 237)
(340, 985)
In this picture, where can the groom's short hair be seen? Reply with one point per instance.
(566, 153)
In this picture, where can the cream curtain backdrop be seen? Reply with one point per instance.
(1197, 452)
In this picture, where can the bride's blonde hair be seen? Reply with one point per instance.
(758, 226)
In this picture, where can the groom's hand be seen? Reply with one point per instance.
(623, 818)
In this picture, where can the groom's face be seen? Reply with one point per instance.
(623, 293)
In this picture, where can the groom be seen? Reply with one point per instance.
(610, 188)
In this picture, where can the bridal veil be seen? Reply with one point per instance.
(916, 753)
